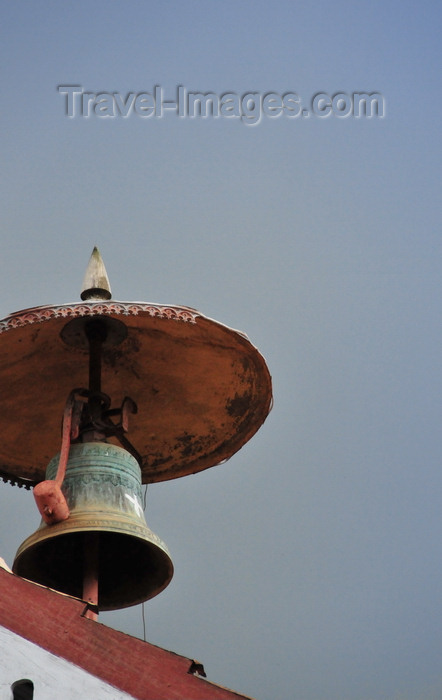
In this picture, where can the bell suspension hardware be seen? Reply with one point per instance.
(89, 419)
(183, 393)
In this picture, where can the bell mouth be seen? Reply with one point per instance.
(131, 569)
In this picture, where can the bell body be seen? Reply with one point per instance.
(102, 488)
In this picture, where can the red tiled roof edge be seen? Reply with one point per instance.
(55, 622)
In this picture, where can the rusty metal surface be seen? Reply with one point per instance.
(202, 389)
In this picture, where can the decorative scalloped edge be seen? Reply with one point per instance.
(44, 313)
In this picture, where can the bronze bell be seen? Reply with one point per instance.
(102, 487)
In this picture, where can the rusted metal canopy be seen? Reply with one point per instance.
(202, 389)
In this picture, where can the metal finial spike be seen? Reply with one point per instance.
(96, 284)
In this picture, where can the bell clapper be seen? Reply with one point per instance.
(90, 573)
(48, 495)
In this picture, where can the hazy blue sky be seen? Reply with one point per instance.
(309, 566)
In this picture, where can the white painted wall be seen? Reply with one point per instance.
(53, 678)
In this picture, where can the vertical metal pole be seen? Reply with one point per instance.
(90, 572)
(96, 334)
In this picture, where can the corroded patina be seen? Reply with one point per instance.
(102, 488)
